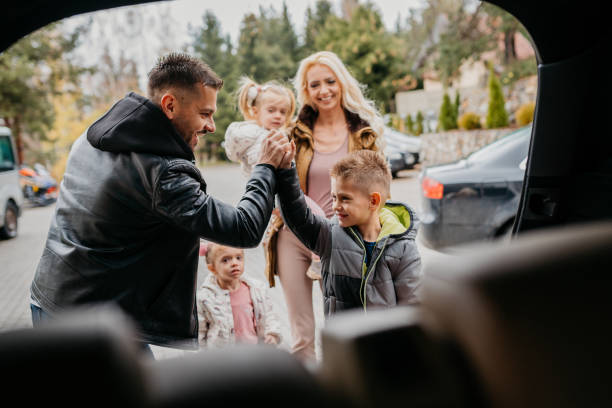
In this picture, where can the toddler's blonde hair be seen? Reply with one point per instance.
(252, 94)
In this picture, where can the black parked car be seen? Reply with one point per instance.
(477, 197)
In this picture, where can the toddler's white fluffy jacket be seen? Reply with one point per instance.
(215, 317)
(243, 144)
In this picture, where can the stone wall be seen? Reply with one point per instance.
(446, 147)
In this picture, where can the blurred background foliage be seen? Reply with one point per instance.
(48, 96)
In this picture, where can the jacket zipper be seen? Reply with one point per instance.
(363, 265)
(372, 267)
(363, 296)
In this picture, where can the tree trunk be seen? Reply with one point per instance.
(509, 46)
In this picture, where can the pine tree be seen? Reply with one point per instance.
(419, 124)
(457, 105)
(496, 114)
(409, 124)
(446, 118)
(212, 47)
(315, 21)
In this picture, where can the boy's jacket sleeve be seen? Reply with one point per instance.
(407, 277)
(312, 230)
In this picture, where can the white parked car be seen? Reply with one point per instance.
(11, 197)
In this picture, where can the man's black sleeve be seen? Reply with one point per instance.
(180, 198)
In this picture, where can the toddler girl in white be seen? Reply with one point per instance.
(232, 308)
(266, 108)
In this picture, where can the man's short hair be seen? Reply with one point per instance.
(179, 70)
(367, 170)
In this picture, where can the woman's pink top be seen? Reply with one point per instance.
(319, 182)
(244, 315)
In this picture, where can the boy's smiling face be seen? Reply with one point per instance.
(351, 204)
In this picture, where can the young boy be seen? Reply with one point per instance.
(368, 251)
(231, 308)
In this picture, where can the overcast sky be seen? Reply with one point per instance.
(112, 28)
(230, 12)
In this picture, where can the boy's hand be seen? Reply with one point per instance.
(274, 147)
(288, 157)
(271, 339)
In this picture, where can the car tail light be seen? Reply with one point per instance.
(432, 188)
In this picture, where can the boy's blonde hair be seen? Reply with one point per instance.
(251, 94)
(353, 99)
(366, 169)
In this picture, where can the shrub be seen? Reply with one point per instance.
(418, 127)
(524, 114)
(446, 118)
(409, 124)
(496, 115)
(469, 121)
(456, 106)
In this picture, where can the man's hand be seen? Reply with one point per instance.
(288, 158)
(274, 148)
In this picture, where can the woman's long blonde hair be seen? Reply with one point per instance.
(353, 99)
(251, 94)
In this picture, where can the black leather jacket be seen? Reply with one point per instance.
(127, 223)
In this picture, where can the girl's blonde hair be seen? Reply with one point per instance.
(353, 99)
(250, 95)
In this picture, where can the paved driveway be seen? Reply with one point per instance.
(19, 257)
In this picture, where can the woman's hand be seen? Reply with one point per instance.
(271, 339)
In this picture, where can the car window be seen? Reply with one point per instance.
(509, 150)
(7, 160)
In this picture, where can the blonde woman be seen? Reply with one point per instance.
(334, 119)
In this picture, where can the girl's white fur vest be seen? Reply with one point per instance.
(216, 321)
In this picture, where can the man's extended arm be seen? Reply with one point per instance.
(181, 200)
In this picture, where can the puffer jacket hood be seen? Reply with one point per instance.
(135, 124)
(397, 220)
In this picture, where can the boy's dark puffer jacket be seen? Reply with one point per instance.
(394, 273)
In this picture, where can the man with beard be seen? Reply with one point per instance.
(133, 207)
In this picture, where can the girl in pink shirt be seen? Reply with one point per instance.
(231, 308)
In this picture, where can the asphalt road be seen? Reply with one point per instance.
(19, 257)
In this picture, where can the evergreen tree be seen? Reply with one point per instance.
(216, 50)
(32, 71)
(267, 50)
(419, 124)
(457, 105)
(315, 21)
(368, 50)
(496, 113)
(446, 118)
(409, 124)
(287, 35)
